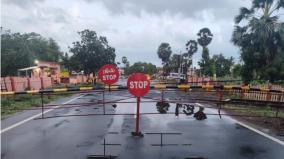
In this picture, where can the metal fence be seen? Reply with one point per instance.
(216, 95)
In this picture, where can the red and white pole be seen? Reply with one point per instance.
(137, 132)
(138, 84)
(137, 115)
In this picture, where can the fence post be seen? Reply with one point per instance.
(104, 109)
(269, 93)
(104, 147)
(268, 97)
(277, 109)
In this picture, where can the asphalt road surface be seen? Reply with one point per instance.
(68, 133)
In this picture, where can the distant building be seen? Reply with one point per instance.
(160, 70)
(121, 71)
(42, 69)
(192, 72)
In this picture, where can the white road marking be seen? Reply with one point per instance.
(37, 115)
(259, 132)
(253, 129)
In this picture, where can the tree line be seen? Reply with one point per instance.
(258, 32)
(21, 50)
(209, 66)
(88, 54)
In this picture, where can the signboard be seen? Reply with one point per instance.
(64, 74)
(138, 84)
(108, 74)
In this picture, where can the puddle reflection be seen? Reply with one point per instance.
(187, 109)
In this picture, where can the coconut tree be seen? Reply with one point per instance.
(258, 34)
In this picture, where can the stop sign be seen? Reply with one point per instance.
(138, 84)
(108, 74)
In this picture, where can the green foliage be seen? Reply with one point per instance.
(174, 62)
(237, 70)
(164, 52)
(252, 110)
(21, 50)
(276, 70)
(186, 62)
(206, 64)
(222, 65)
(261, 40)
(10, 105)
(91, 52)
(144, 67)
(204, 37)
(66, 62)
(218, 64)
(191, 47)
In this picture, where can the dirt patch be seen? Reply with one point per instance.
(262, 117)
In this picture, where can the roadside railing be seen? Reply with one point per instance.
(218, 94)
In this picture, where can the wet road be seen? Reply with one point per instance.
(79, 136)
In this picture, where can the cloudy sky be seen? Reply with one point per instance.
(134, 27)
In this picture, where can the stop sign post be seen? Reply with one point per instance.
(108, 74)
(138, 84)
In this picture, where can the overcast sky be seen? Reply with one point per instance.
(134, 27)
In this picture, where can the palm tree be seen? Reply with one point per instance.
(204, 39)
(164, 53)
(260, 39)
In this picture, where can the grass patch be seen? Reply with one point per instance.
(265, 111)
(98, 84)
(16, 103)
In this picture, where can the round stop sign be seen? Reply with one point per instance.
(108, 74)
(138, 84)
